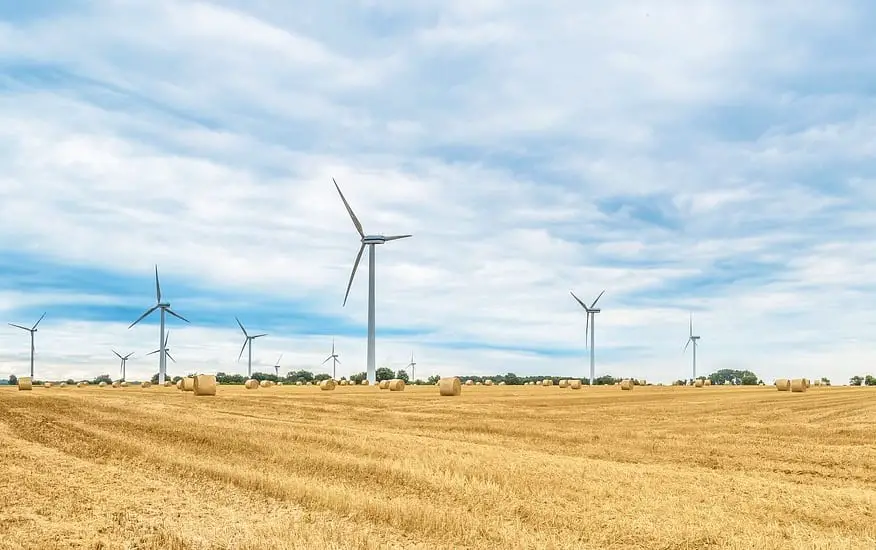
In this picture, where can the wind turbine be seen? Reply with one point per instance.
(591, 324)
(277, 367)
(164, 349)
(162, 339)
(335, 361)
(31, 330)
(371, 241)
(693, 339)
(125, 361)
(248, 340)
(413, 366)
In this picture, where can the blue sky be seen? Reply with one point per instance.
(715, 159)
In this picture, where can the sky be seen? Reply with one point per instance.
(713, 159)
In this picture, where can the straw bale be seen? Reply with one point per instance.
(817, 382)
(47, 384)
(575, 384)
(204, 384)
(479, 383)
(344, 383)
(783, 384)
(488, 382)
(469, 382)
(396, 384)
(25, 383)
(327, 385)
(364, 382)
(188, 384)
(80, 385)
(707, 382)
(798, 385)
(168, 384)
(146, 385)
(117, 384)
(102, 385)
(252, 384)
(383, 384)
(299, 383)
(806, 382)
(699, 383)
(564, 383)
(62, 385)
(449, 387)
(265, 384)
(124, 384)
(502, 383)
(626, 384)
(547, 382)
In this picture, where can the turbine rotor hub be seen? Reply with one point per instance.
(373, 239)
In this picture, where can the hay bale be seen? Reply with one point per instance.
(817, 382)
(168, 384)
(488, 382)
(265, 384)
(502, 383)
(479, 383)
(698, 383)
(62, 385)
(547, 382)
(626, 384)
(116, 384)
(102, 385)
(575, 384)
(299, 383)
(806, 382)
(80, 385)
(204, 384)
(783, 384)
(251, 384)
(383, 384)
(279, 383)
(145, 385)
(188, 384)
(564, 383)
(25, 384)
(344, 383)
(47, 384)
(364, 382)
(707, 382)
(469, 382)
(798, 385)
(396, 384)
(124, 384)
(327, 385)
(449, 387)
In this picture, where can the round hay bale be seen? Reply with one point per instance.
(327, 385)
(124, 384)
(806, 382)
(817, 382)
(344, 383)
(179, 384)
(102, 385)
(146, 385)
(279, 383)
(251, 384)
(168, 384)
(80, 385)
(698, 383)
(25, 384)
(117, 384)
(783, 384)
(488, 382)
(204, 384)
(479, 383)
(299, 383)
(626, 384)
(396, 384)
(383, 384)
(547, 382)
(469, 382)
(502, 383)
(798, 385)
(47, 384)
(265, 384)
(449, 387)
(564, 383)
(707, 382)
(188, 384)
(364, 382)
(62, 385)
(575, 384)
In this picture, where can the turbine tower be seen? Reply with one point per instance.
(247, 341)
(164, 349)
(162, 339)
(370, 241)
(31, 330)
(335, 360)
(591, 324)
(277, 367)
(413, 366)
(692, 338)
(124, 362)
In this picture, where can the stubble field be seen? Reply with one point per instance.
(498, 467)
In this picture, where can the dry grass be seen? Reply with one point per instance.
(365, 469)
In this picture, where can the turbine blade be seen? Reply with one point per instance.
(169, 356)
(350, 211)
(278, 359)
(126, 357)
(577, 299)
(157, 286)
(19, 326)
(38, 322)
(152, 352)
(686, 345)
(327, 359)
(396, 237)
(338, 361)
(258, 336)
(353, 273)
(117, 354)
(245, 342)
(140, 318)
(177, 315)
(166, 338)
(241, 326)
(593, 305)
(587, 331)
(691, 324)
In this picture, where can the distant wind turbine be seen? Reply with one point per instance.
(247, 342)
(164, 349)
(32, 330)
(692, 338)
(370, 241)
(124, 362)
(413, 366)
(591, 324)
(335, 361)
(162, 339)
(277, 366)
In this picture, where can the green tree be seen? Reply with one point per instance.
(321, 376)
(402, 375)
(870, 380)
(384, 373)
(358, 377)
(433, 379)
(825, 381)
(300, 376)
(733, 376)
(749, 379)
(856, 381)
(512, 379)
(605, 380)
(13, 380)
(102, 378)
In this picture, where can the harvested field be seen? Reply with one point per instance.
(496, 467)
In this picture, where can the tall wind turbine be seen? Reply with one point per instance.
(247, 341)
(31, 330)
(413, 366)
(591, 324)
(277, 367)
(125, 361)
(164, 349)
(335, 361)
(693, 339)
(162, 339)
(371, 241)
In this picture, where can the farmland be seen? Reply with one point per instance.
(497, 467)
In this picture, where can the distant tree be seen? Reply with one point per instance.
(70, 381)
(358, 377)
(748, 379)
(300, 376)
(102, 378)
(321, 376)
(825, 381)
(870, 380)
(605, 380)
(735, 377)
(13, 380)
(856, 381)
(176, 379)
(402, 375)
(433, 379)
(512, 379)
(679, 383)
(385, 373)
